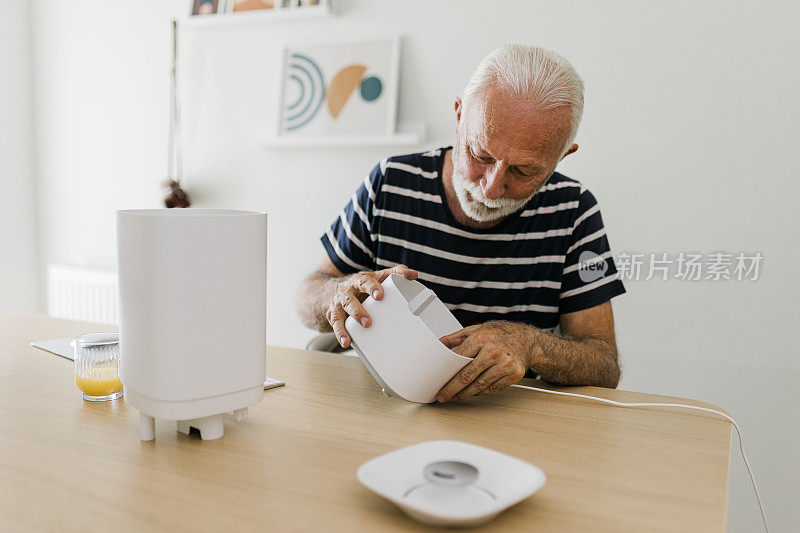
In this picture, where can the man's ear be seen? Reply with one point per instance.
(459, 106)
(572, 150)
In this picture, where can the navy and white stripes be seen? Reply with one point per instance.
(525, 269)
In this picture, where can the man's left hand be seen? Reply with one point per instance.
(501, 352)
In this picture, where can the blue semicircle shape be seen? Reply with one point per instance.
(317, 86)
(312, 87)
(302, 91)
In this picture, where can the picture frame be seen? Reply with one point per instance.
(204, 7)
(243, 6)
(338, 88)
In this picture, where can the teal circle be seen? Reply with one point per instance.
(371, 88)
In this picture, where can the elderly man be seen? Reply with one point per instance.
(514, 249)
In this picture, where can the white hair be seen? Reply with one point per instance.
(536, 74)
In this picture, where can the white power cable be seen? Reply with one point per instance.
(647, 404)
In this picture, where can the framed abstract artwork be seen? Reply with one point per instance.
(339, 89)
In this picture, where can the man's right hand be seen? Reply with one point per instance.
(353, 290)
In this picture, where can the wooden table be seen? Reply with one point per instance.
(290, 465)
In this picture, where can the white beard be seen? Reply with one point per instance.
(481, 208)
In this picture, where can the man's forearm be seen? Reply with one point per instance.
(570, 361)
(314, 296)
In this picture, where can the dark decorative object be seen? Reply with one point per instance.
(175, 196)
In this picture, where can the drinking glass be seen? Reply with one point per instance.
(97, 366)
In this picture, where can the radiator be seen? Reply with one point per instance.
(78, 293)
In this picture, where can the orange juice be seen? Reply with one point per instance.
(99, 381)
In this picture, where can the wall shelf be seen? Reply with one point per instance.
(270, 140)
(322, 10)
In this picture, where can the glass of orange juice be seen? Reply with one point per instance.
(97, 366)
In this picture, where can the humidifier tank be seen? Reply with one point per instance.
(192, 311)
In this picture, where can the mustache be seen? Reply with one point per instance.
(476, 192)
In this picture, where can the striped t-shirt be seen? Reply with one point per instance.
(549, 258)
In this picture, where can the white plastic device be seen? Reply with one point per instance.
(401, 348)
(451, 483)
(192, 300)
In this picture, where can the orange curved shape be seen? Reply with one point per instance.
(342, 86)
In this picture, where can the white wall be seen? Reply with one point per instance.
(688, 142)
(101, 113)
(18, 245)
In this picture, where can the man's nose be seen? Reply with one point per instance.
(493, 183)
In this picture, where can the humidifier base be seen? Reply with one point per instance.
(204, 414)
(210, 427)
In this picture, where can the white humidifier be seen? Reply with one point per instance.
(192, 309)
